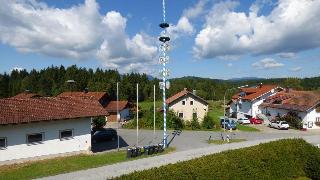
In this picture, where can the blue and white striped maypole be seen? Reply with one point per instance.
(163, 59)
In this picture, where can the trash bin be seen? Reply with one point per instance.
(151, 150)
(129, 153)
(138, 151)
(146, 150)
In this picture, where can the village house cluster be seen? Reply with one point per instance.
(273, 101)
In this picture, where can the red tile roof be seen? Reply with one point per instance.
(112, 106)
(293, 100)
(16, 111)
(93, 95)
(26, 95)
(254, 93)
(182, 93)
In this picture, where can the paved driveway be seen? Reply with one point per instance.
(197, 139)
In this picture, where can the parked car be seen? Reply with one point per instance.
(104, 134)
(256, 121)
(228, 124)
(280, 125)
(244, 121)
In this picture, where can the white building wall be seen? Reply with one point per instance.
(188, 109)
(16, 138)
(308, 118)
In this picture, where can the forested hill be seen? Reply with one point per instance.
(52, 81)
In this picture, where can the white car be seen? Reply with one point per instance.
(280, 125)
(244, 121)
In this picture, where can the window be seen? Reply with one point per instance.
(195, 115)
(183, 103)
(317, 119)
(35, 138)
(3, 142)
(191, 102)
(180, 115)
(66, 134)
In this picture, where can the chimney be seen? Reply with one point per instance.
(194, 92)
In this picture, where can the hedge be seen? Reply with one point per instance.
(283, 159)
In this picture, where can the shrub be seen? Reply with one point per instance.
(195, 123)
(283, 159)
(99, 122)
(207, 123)
(292, 119)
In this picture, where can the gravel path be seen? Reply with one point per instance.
(118, 169)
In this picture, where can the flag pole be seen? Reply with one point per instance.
(137, 115)
(118, 116)
(154, 111)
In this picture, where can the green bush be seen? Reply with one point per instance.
(195, 123)
(207, 123)
(146, 120)
(283, 159)
(99, 122)
(292, 119)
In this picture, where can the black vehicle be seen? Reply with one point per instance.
(105, 134)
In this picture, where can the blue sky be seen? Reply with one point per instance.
(210, 38)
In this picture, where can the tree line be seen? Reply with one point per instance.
(52, 81)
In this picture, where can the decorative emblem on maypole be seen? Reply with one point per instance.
(164, 72)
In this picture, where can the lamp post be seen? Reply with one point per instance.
(164, 59)
(224, 105)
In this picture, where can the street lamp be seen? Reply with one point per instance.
(224, 105)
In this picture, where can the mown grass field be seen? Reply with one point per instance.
(283, 159)
(49, 167)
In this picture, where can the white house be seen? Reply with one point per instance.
(123, 107)
(246, 102)
(305, 103)
(31, 127)
(187, 104)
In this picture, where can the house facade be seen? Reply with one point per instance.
(245, 104)
(105, 101)
(124, 111)
(187, 104)
(305, 104)
(33, 127)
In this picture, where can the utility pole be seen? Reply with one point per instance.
(137, 115)
(118, 115)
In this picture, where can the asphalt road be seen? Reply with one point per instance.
(196, 139)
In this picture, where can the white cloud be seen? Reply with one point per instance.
(292, 26)
(296, 69)
(79, 32)
(184, 26)
(17, 68)
(287, 55)
(267, 63)
(229, 65)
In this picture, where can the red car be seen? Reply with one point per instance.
(256, 121)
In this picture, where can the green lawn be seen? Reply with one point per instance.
(61, 165)
(215, 112)
(219, 141)
(283, 159)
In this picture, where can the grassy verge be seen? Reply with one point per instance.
(225, 142)
(283, 159)
(49, 167)
(246, 128)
